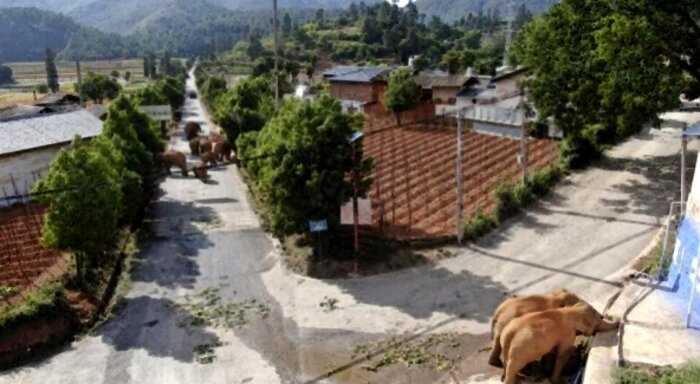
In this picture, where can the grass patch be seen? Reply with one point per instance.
(641, 374)
(44, 300)
(511, 199)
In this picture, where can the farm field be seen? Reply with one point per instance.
(33, 73)
(25, 262)
(414, 194)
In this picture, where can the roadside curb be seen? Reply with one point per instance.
(602, 358)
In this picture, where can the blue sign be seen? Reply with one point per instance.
(318, 226)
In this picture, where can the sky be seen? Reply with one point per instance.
(401, 2)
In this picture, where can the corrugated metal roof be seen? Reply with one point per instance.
(501, 116)
(351, 74)
(45, 130)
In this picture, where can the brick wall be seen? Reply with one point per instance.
(366, 92)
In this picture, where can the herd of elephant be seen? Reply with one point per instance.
(526, 328)
(211, 150)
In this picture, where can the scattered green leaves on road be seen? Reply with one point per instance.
(437, 352)
(329, 304)
(207, 309)
(205, 354)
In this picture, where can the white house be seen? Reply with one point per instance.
(31, 142)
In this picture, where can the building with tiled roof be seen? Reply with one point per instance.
(31, 142)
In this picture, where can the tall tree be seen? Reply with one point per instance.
(287, 25)
(6, 76)
(301, 162)
(402, 93)
(146, 67)
(51, 71)
(599, 73)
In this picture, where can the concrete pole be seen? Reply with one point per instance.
(523, 149)
(684, 189)
(458, 176)
(80, 81)
(277, 42)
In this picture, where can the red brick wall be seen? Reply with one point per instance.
(366, 92)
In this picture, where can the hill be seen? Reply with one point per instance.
(451, 10)
(25, 33)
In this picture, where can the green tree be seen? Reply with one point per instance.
(6, 76)
(51, 71)
(402, 93)
(83, 217)
(212, 88)
(147, 67)
(246, 107)
(127, 76)
(99, 87)
(599, 73)
(166, 66)
(255, 48)
(287, 25)
(114, 74)
(452, 61)
(302, 160)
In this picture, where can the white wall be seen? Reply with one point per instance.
(24, 169)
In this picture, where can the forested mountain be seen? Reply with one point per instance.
(451, 10)
(25, 33)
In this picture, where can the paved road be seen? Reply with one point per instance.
(207, 236)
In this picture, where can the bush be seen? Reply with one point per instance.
(99, 87)
(507, 203)
(42, 88)
(40, 301)
(542, 181)
(479, 225)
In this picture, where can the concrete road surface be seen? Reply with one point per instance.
(207, 236)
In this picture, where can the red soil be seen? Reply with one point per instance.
(25, 262)
(414, 192)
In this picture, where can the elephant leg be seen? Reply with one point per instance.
(564, 352)
(495, 357)
(512, 369)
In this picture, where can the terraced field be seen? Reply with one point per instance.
(414, 192)
(25, 262)
(33, 73)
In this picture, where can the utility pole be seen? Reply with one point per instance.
(523, 147)
(684, 187)
(458, 175)
(80, 81)
(277, 42)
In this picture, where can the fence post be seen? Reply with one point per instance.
(458, 175)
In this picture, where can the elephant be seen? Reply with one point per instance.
(517, 306)
(528, 338)
(205, 145)
(194, 146)
(222, 150)
(192, 129)
(174, 158)
(209, 158)
(216, 137)
(200, 171)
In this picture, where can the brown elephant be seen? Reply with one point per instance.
(222, 150)
(205, 145)
(528, 338)
(209, 158)
(172, 158)
(216, 137)
(200, 171)
(194, 146)
(517, 306)
(192, 129)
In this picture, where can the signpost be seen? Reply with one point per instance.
(318, 226)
